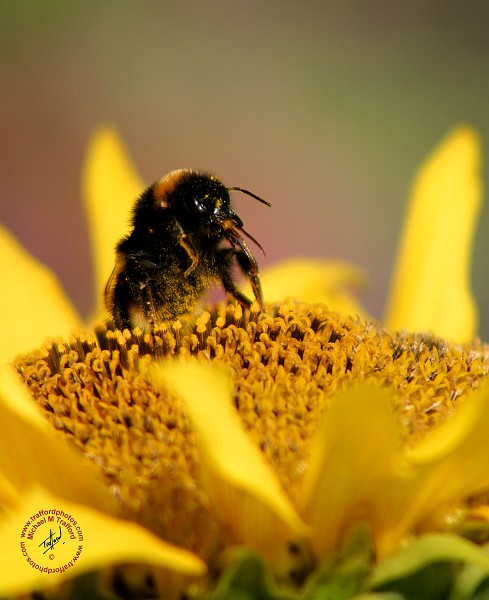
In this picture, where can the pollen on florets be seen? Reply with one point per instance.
(287, 365)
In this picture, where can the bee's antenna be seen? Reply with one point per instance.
(250, 194)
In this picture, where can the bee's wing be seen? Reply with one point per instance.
(109, 287)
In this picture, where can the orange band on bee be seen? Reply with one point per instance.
(165, 185)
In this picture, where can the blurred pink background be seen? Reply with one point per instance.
(323, 108)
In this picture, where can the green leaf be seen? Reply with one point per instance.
(432, 582)
(472, 581)
(91, 585)
(248, 578)
(425, 551)
(379, 596)
(482, 591)
(344, 574)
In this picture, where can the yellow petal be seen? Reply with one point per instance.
(351, 458)
(110, 187)
(449, 465)
(31, 452)
(33, 305)
(431, 286)
(238, 479)
(98, 541)
(453, 459)
(357, 452)
(313, 281)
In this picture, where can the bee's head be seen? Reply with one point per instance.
(206, 199)
(201, 204)
(199, 201)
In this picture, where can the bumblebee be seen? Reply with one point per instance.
(185, 235)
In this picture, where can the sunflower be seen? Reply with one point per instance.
(309, 452)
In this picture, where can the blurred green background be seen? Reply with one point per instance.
(323, 108)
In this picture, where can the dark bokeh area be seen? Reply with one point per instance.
(323, 108)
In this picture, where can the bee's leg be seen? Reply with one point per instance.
(126, 301)
(184, 241)
(133, 303)
(143, 312)
(250, 271)
(226, 256)
(119, 304)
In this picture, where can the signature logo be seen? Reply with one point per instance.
(51, 541)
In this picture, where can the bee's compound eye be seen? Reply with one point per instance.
(199, 207)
